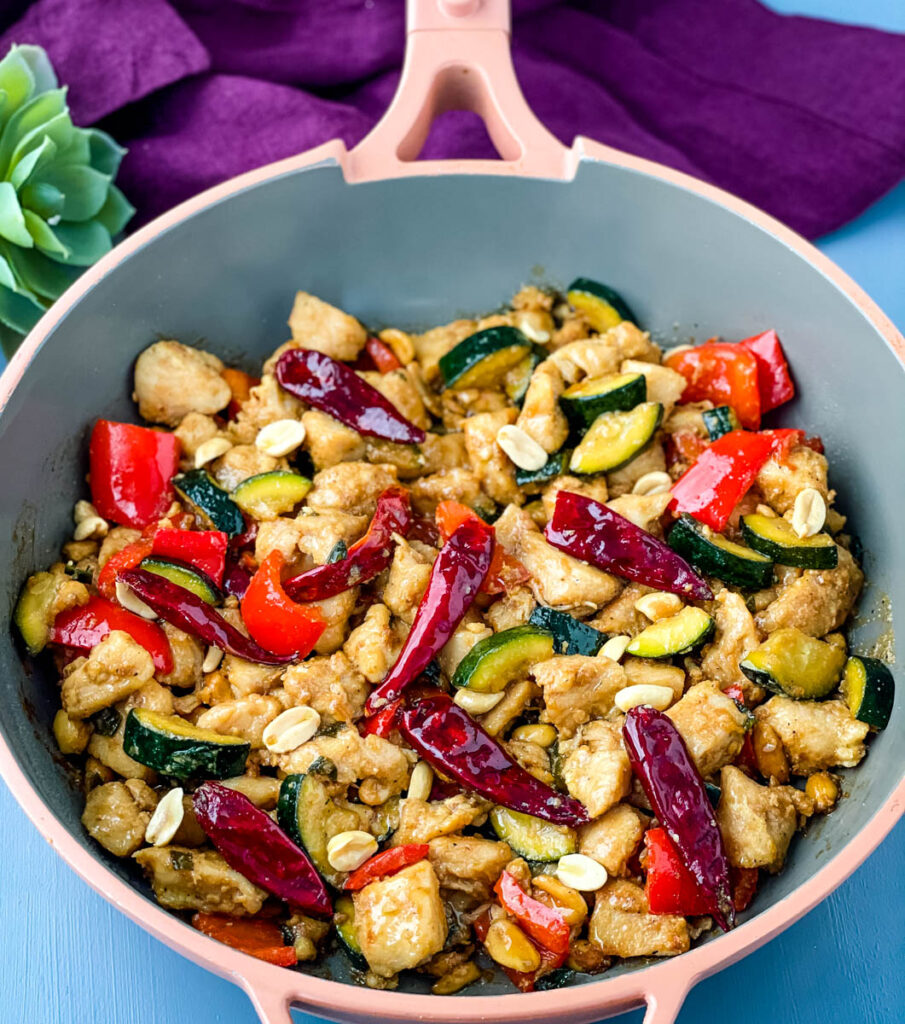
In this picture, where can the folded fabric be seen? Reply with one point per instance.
(802, 117)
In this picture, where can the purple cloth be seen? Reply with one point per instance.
(802, 117)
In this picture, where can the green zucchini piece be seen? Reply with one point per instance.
(713, 793)
(869, 690)
(615, 438)
(516, 381)
(338, 552)
(107, 721)
(81, 575)
(617, 392)
(187, 576)
(497, 660)
(569, 635)
(555, 466)
(719, 421)
(303, 807)
(676, 634)
(793, 663)
(483, 359)
(533, 838)
(210, 501)
(775, 538)
(386, 818)
(344, 919)
(171, 745)
(269, 495)
(32, 615)
(559, 977)
(714, 555)
(603, 306)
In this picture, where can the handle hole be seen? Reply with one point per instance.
(454, 133)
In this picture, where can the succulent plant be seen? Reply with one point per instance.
(59, 208)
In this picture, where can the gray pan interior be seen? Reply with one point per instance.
(418, 252)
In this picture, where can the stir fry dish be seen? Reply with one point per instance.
(516, 642)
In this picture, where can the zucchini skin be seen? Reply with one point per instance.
(183, 575)
(211, 502)
(196, 755)
(785, 547)
(679, 634)
(601, 318)
(555, 466)
(499, 659)
(569, 635)
(582, 409)
(533, 838)
(302, 809)
(795, 664)
(473, 350)
(869, 690)
(268, 495)
(719, 421)
(599, 453)
(687, 538)
(346, 933)
(31, 614)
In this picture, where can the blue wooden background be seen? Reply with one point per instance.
(66, 957)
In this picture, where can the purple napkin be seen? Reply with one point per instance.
(802, 117)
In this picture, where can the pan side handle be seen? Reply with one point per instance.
(664, 1003)
(458, 58)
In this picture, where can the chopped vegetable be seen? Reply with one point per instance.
(204, 549)
(505, 572)
(32, 614)
(344, 920)
(543, 923)
(384, 722)
(615, 438)
(273, 494)
(497, 660)
(387, 862)
(721, 373)
(131, 556)
(383, 357)
(173, 746)
(273, 619)
(183, 575)
(720, 420)
(774, 382)
(777, 539)
(618, 392)
(676, 634)
(869, 690)
(670, 886)
(483, 359)
(603, 306)
(555, 466)
(261, 939)
(214, 506)
(569, 635)
(713, 554)
(533, 838)
(524, 981)
(793, 663)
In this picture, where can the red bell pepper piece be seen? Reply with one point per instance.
(273, 619)
(774, 382)
(385, 863)
(204, 549)
(544, 924)
(683, 446)
(336, 389)
(186, 611)
(240, 384)
(383, 723)
(723, 374)
(593, 532)
(253, 844)
(716, 483)
(84, 627)
(131, 468)
(505, 572)
(366, 558)
(261, 939)
(128, 558)
(383, 356)
(451, 741)
(523, 981)
(676, 792)
(456, 576)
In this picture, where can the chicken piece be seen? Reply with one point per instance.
(184, 879)
(620, 617)
(267, 402)
(456, 484)
(613, 838)
(332, 685)
(595, 766)
(712, 726)
(663, 384)
(351, 487)
(247, 717)
(557, 579)
(532, 297)
(645, 672)
(406, 459)
(757, 822)
(643, 510)
(516, 697)
(400, 921)
(780, 482)
(188, 655)
(306, 934)
(421, 821)
(336, 612)
(116, 667)
(117, 538)
(193, 431)
(818, 601)
(541, 416)
(514, 608)
(248, 677)
(457, 407)
(374, 645)
(240, 463)
(437, 342)
(283, 535)
(591, 487)
(443, 452)
(317, 325)
(688, 418)
(407, 580)
(599, 356)
(469, 864)
(329, 442)
(152, 696)
(117, 814)
(398, 387)
(172, 380)
(494, 468)
(318, 534)
(574, 327)
(576, 689)
(651, 460)
(108, 750)
(735, 636)
(467, 634)
(532, 757)
(622, 925)
(815, 734)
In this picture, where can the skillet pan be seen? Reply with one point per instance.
(414, 243)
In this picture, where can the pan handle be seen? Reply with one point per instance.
(664, 1003)
(457, 57)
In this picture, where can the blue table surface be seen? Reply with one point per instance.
(67, 957)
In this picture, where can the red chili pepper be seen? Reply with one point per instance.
(131, 468)
(84, 627)
(188, 612)
(273, 619)
(505, 572)
(746, 759)
(204, 549)
(451, 741)
(456, 576)
(735, 691)
(240, 384)
(774, 382)
(523, 981)
(383, 723)
(385, 863)
(128, 558)
(723, 374)
(544, 924)
(337, 389)
(425, 530)
(366, 559)
(594, 533)
(716, 483)
(254, 845)
(383, 356)
(744, 886)
(676, 792)
(261, 939)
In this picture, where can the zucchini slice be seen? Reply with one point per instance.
(615, 438)
(187, 576)
(497, 660)
(533, 838)
(869, 690)
(171, 745)
(775, 538)
(603, 306)
(569, 635)
(677, 634)
(32, 615)
(516, 381)
(555, 466)
(303, 807)
(617, 392)
(269, 495)
(210, 501)
(483, 359)
(719, 421)
(793, 663)
(714, 555)
(344, 920)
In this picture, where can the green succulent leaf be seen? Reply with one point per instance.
(32, 162)
(43, 199)
(116, 212)
(12, 221)
(86, 242)
(84, 190)
(36, 58)
(43, 237)
(105, 154)
(47, 278)
(17, 80)
(18, 311)
(31, 116)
